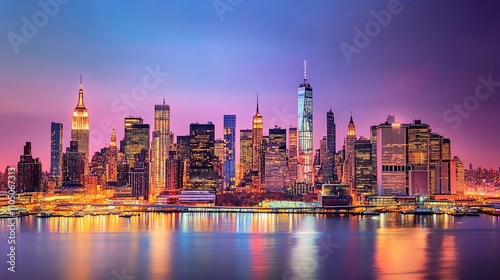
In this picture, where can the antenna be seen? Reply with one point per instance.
(305, 69)
(257, 102)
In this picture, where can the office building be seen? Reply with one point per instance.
(56, 152)
(29, 172)
(305, 131)
(229, 151)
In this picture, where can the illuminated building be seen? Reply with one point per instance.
(257, 136)
(174, 168)
(391, 159)
(112, 157)
(305, 131)
(418, 157)
(363, 169)
(122, 169)
(349, 156)
(277, 135)
(56, 151)
(229, 150)
(98, 166)
(73, 167)
(29, 172)
(457, 176)
(262, 158)
(331, 146)
(219, 154)
(160, 145)
(202, 156)
(183, 154)
(80, 127)
(139, 175)
(373, 140)
(275, 161)
(245, 152)
(292, 154)
(439, 164)
(334, 195)
(136, 138)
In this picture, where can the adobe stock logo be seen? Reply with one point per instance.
(50, 8)
(372, 29)
(470, 104)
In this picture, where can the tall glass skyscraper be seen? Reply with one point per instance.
(331, 147)
(56, 150)
(305, 129)
(160, 146)
(229, 150)
(80, 127)
(136, 138)
(202, 156)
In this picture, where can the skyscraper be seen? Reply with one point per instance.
(331, 146)
(56, 150)
(136, 138)
(278, 135)
(439, 164)
(391, 159)
(29, 172)
(349, 156)
(363, 169)
(229, 150)
(80, 128)
(418, 157)
(457, 176)
(73, 166)
(257, 136)
(139, 175)
(305, 131)
(202, 156)
(292, 154)
(160, 145)
(245, 153)
(112, 158)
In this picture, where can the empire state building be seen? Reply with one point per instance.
(80, 126)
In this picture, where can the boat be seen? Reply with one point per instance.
(457, 214)
(472, 212)
(78, 214)
(423, 211)
(370, 213)
(45, 214)
(124, 215)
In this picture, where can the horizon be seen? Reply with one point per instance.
(213, 60)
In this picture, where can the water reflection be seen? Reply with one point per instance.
(256, 246)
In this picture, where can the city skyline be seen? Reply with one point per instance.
(423, 88)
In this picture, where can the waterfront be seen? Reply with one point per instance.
(255, 246)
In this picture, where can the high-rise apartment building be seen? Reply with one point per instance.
(229, 150)
(56, 153)
(29, 172)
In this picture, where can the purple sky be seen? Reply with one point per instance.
(427, 58)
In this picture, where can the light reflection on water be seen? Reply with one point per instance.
(254, 246)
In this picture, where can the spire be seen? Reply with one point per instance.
(305, 70)
(351, 129)
(80, 95)
(163, 101)
(112, 144)
(257, 102)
